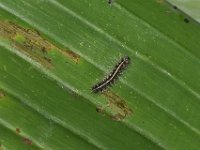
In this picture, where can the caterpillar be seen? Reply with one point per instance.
(109, 80)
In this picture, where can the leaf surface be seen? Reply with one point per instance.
(52, 52)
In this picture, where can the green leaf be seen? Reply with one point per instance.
(191, 7)
(53, 51)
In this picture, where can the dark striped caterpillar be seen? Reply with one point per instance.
(109, 80)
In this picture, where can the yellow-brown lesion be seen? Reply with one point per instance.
(117, 105)
(2, 93)
(32, 44)
(160, 1)
(69, 54)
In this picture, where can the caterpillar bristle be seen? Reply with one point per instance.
(109, 80)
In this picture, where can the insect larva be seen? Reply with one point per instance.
(112, 76)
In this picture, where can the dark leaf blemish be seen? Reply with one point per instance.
(117, 117)
(175, 7)
(17, 130)
(118, 106)
(27, 141)
(32, 44)
(186, 20)
(109, 1)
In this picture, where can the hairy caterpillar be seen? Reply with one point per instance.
(107, 82)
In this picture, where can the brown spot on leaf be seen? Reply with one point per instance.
(47, 59)
(32, 44)
(160, 1)
(100, 110)
(2, 93)
(18, 130)
(117, 117)
(70, 54)
(117, 105)
(27, 141)
(44, 50)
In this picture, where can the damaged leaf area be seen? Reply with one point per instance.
(30, 43)
(24, 139)
(2, 93)
(27, 141)
(1, 147)
(117, 105)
